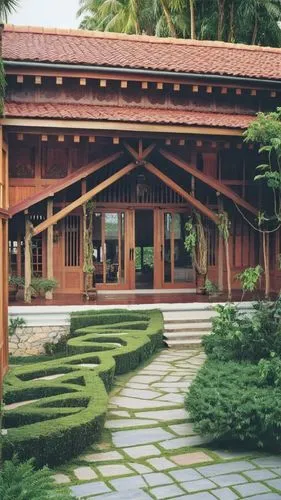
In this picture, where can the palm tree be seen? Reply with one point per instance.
(7, 7)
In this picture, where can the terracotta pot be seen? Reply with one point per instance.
(200, 284)
(90, 291)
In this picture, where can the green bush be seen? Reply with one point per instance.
(237, 336)
(231, 402)
(68, 413)
(22, 482)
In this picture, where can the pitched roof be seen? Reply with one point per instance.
(126, 114)
(23, 43)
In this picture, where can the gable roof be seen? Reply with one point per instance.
(23, 43)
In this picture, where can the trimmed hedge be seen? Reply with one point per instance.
(70, 411)
(231, 402)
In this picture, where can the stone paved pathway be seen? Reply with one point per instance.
(151, 451)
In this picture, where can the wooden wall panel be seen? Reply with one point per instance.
(20, 193)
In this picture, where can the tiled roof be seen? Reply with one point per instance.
(143, 52)
(126, 114)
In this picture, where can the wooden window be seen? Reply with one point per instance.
(72, 241)
(37, 256)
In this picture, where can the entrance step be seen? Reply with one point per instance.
(187, 327)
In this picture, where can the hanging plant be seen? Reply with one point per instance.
(224, 227)
(196, 245)
(88, 264)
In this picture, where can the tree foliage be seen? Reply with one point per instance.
(241, 21)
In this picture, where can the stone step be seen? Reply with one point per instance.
(185, 335)
(176, 327)
(185, 344)
(188, 316)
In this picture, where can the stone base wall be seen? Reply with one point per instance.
(30, 340)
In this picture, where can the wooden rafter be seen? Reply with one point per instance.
(141, 154)
(83, 199)
(210, 181)
(188, 197)
(80, 174)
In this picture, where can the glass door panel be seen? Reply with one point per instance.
(109, 247)
(177, 264)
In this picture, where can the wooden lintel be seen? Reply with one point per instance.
(113, 126)
(83, 199)
(210, 181)
(61, 184)
(188, 197)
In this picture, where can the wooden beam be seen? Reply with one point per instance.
(120, 126)
(81, 173)
(210, 181)
(83, 199)
(132, 151)
(50, 247)
(188, 197)
(28, 260)
(147, 151)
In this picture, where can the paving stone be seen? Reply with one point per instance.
(61, 478)
(168, 385)
(145, 379)
(114, 470)
(87, 489)
(164, 415)
(128, 483)
(140, 394)
(134, 495)
(121, 413)
(173, 398)
(84, 473)
(251, 489)
(185, 429)
(205, 495)
(191, 458)
(140, 468)
(277, 471)
(173, 444)
(157, 479)
(200, 485)
(136, 385)
(229, 455)
(275, 483)
(266, 496)
(103, 457)
(260, 474)
(270, 462)
(225, 494)
(229, 479)
(218, 469)
(131, 422)
(171, 378)
(181, 475)
(161, 463)
(136, 404)
(139, 436)
(169, 491)
(142, 451)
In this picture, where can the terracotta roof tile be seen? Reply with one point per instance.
(126, 114)
(143, 52)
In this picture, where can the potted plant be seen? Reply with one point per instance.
(88, 263)
(211, 288)
(14, 283)
(40, 286)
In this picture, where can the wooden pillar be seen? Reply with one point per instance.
(28, 260)
(220, 259)
(50, 247)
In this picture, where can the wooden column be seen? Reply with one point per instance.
(220, 259)
(50, 247)
(28, 260)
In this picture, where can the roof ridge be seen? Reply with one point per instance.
(137, 38)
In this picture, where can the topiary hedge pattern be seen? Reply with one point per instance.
(67, 413)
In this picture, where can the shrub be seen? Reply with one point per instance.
(237, 336)
(231, 402)
(22, 482)
(69, 412)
